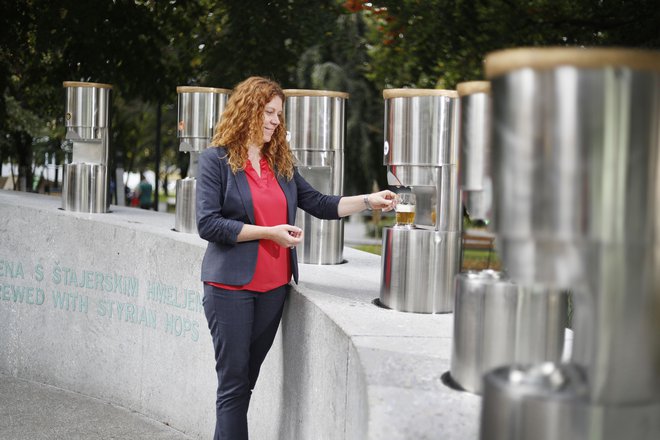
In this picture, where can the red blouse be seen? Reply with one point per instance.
(273, 264)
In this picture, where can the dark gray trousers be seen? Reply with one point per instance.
(243, 325)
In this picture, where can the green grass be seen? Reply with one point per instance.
(371, 248)
(479, 259)
(473, 259)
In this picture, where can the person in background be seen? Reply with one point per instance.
(144, 192)
(248, 191)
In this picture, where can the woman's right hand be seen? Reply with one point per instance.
(286, 235)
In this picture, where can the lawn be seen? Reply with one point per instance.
(473, 259)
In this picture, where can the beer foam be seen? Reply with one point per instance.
(405, 208)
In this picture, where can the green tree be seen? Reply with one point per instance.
(340, 63)
(145, 48)
(438, 43)
(302, 44)
(137, 46)
(242, 38)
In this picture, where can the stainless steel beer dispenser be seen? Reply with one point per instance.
(199, 109)
(576, 168)
(85, 177)
(496, 321)
(418, 263)
(315, 121)
(474, 145)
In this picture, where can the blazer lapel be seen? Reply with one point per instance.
(246, 195)
(288, 190)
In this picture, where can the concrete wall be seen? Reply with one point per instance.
(109, 305)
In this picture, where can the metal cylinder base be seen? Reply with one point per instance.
(418, 268)
(498, 323)
(532, 402)
(184, 217)
(84, 188)
(323, 240)
(552, 402)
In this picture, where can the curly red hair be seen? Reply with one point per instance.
(242, 124)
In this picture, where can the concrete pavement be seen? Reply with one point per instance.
(33, 411)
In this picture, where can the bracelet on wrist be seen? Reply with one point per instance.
(365, 198)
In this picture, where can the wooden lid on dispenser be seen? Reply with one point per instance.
(473, 87)
(86, 84)
(502, 62)
(413, 93)
(196, 89)
(323, 93)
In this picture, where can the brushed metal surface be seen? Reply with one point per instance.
(199, 110)
(576, 151)
(84, 188)
(315, 122)
(420, 131)
(499, 323)
(418, 268)
(475, 171)
(184, 214)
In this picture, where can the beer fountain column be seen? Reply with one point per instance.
(496, 321)
(315, 122)
(199, 110)
(419, 263)
(576, 164)
(474, 145)
(85, 177)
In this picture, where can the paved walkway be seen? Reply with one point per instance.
(32, 411)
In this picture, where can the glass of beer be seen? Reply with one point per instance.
(405, 210)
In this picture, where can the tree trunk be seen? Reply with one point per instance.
(159, 117)
(23, 142)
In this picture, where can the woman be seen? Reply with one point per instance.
(247, 195)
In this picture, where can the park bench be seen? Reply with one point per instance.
(480, 240)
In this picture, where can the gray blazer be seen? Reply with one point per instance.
(224, 204)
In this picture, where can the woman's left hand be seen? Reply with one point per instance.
(382, 200)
